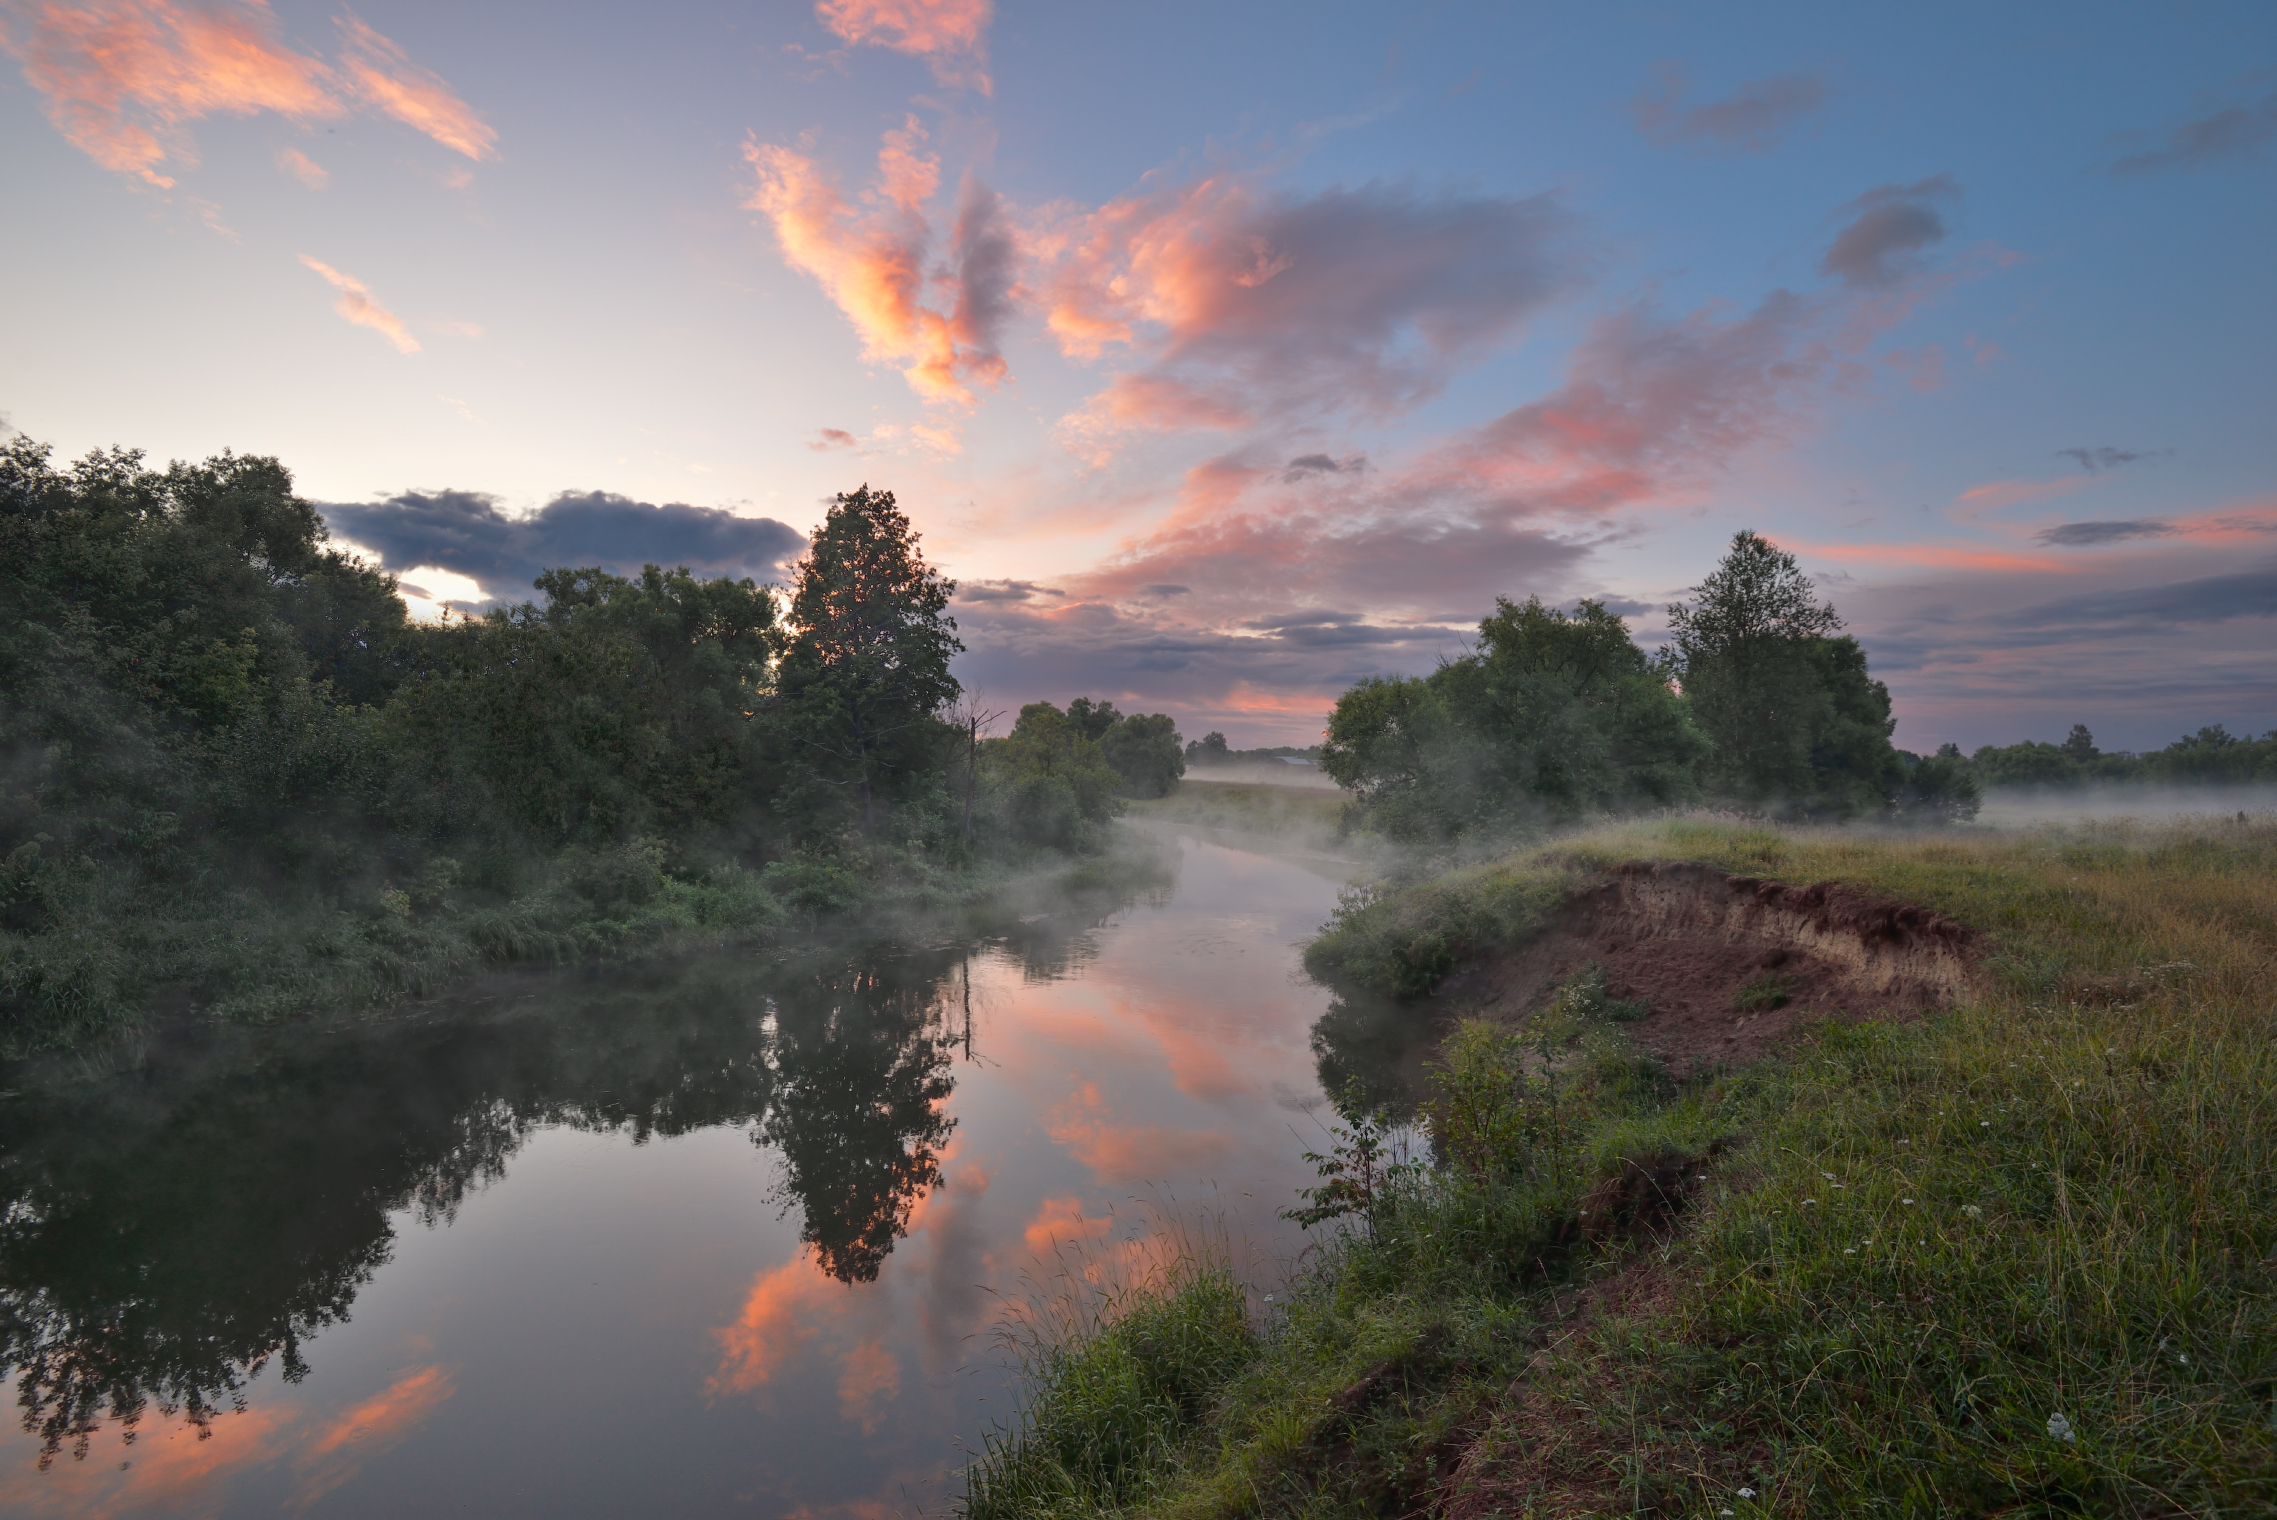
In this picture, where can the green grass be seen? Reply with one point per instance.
(1917, 1244)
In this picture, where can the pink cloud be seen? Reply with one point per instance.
(124, 80)
(950, 35)
(1994, 495)
(1239, 303)
(377, 72)
(1062, 1220)
(303, 168)
(873, 258)
(372, 1426)
(357, 306)
(1127, 1152)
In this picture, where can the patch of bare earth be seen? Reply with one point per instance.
(1688, 941)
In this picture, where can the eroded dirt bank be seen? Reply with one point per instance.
(1688, 941)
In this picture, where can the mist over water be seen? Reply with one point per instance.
(720, 1236)
(2012, 808)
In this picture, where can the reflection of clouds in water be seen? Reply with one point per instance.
(371, 1427)
(179, 1465)
(1128, 1152)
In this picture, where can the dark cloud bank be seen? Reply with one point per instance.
(464, 531)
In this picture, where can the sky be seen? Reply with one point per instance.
(1224, 355)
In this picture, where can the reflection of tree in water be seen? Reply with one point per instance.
(166, 1234)
(1375, 1043)
(861, 1080)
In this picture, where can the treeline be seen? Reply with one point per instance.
(234, 771)
(1212, 750)
(2212, 756)
(1758, 702)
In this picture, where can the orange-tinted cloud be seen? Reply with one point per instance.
(124, 79)
(1996, 494)
(784, 1311)
(376, 72)
(173, 1465)
(950, 35)
(873, 258)
(303, 168)
(1062, 1220)
(1127, 1152)
(356, 304)
(369, 1428)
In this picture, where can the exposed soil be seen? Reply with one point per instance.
(1688, 941)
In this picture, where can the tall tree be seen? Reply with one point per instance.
(865, 678)
(1791, 711)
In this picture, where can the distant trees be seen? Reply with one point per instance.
(2212, 756)
(1051, 783)
(1792, 717)
(1554, 715)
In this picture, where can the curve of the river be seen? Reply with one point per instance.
(729, 1237)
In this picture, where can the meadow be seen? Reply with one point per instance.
(2014, 1257)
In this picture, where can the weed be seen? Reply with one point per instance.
(1763, 994)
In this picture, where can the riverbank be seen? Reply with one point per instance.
(2012, 1253)
(120, 956)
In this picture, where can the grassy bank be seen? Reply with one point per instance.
(2016, 1258)
(122, 952)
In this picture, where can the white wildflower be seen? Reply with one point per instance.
(1747, 1493)
(2060, 1429)
(1847, 1251)
(1972, 1211)
(1907, 1202)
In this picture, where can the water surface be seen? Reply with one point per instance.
(726, 1237)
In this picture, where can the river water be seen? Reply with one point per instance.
(727, 1237)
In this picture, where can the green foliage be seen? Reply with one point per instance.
(1109, 1409)
(1399, 938)
(2212, 756)
(1794, 719)
(1358, 1172)
(864, 678)
(1554, 717)
(1142, 747)
(1052, 786)
(1763, 994)
(235, 776)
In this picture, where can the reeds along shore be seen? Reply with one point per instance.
(2017, 1256)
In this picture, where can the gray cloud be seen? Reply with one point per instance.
(464, 531)
(826, 439)
(2232, 132)
(987, 261)
(1893, 223)
(1165, 589)
(1003, 591)
(1364, 299)
(2096, 461)
(1306, 465)
(2083, 534)
(1751, 119)
(2209, 599)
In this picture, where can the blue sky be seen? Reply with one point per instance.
(1224, 353)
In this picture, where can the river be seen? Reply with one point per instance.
(727, 1236)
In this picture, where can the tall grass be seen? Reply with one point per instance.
(2018, 1258)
